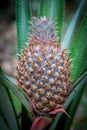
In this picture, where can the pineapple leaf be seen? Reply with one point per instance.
(73, 107)
(16, 103)
(79, 52)
(7, 109)
(17, 106)
(3, 125)
(70, 33)
(55, 10)
(73, 94)
(17, 93)
(23, 16)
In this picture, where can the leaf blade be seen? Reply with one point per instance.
(6, 107)
(70, 33)
(17, 92)
(23, 16)
(73, 107)
(79, 52)
(3, 126)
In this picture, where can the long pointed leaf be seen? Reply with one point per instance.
(73, 107)
(17, 92)
(6, 107)
(3, 125)
(23, 16)
(16, 103)
(79, 51)
(70, 33)
(55, 10)
(17, 107)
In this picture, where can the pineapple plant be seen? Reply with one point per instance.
(43, 71)
(46, 75)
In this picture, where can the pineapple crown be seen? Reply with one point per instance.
(43, 30)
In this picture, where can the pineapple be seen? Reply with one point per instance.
(43, 71)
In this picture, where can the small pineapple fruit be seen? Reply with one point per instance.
(43, 71)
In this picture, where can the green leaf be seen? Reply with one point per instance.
(23, 16)
(70, 33)
(73, 107)
(16, 103)
(79, 52)
(6, 107)
(55, 10)
(82, 83)
(17, 106)
(17, 93)
(3, 125)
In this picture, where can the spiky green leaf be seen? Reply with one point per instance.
(70, 33)
(73, 107)
(7, 109)
(17, 106)
(3, 125)
(23, 16)
(17, 92)
(79, 51)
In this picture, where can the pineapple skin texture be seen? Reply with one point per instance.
(43, 71)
